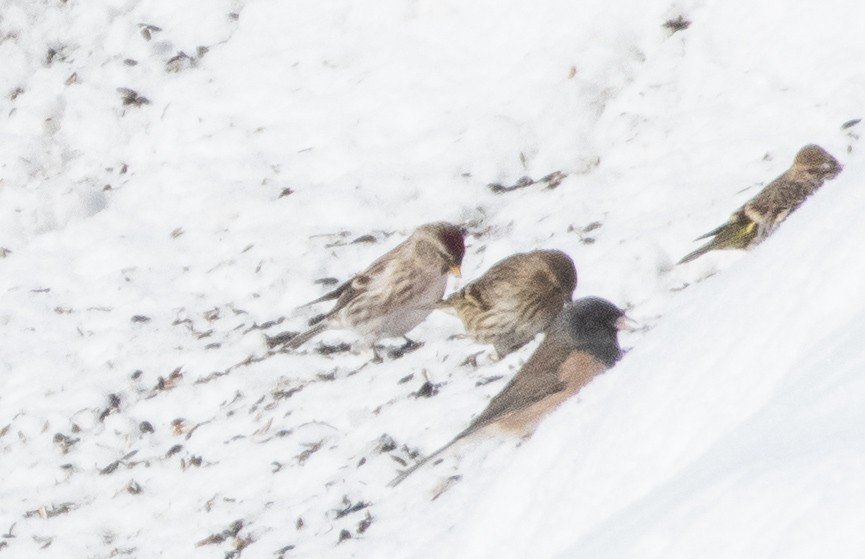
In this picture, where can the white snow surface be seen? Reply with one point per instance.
(175, 177)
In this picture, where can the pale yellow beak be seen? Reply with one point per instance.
(455, 270)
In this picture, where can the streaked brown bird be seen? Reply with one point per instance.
(580, 344)
(397, 291)
(516, 299)
(761, 215)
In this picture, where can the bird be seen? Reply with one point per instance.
(515, 299)
(761, 215)
(395, 293)
(581, 343)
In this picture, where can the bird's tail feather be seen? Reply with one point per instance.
(330, 295)
(738, 233)
(444, 305)
(697, 253)
(713, 232)
(304, 337)
(405, 473)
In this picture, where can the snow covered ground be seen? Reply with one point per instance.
(176, 178)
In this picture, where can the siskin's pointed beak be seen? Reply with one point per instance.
(456, 272)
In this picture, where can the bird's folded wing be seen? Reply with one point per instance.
(536, 380)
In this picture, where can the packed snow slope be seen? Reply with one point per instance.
(177, 178)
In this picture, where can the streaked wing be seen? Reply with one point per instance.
(781, 197)
(391, 283)
(475, 296)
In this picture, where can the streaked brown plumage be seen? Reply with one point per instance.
(761, 215)
(580, 344)
(397, 291)
(515, 299)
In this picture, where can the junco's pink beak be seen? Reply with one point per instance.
(626, 323)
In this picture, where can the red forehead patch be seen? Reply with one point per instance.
(452, 238)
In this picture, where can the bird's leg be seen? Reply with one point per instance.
(407, 347)
(498, 353)
(376, 358)
(472, 360)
